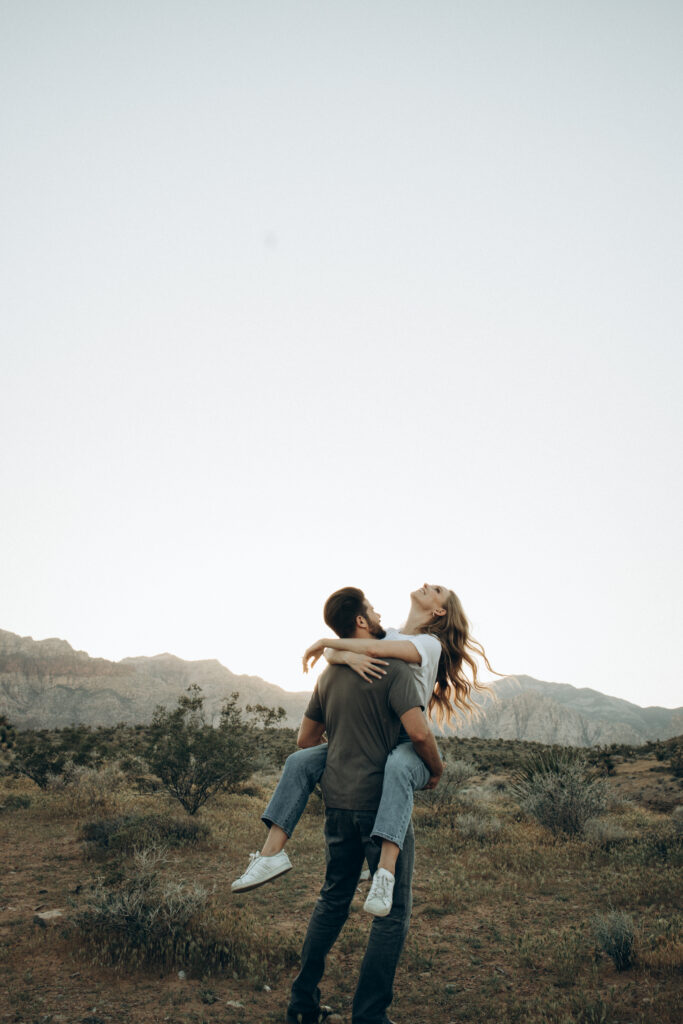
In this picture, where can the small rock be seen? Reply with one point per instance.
(267, 988)
(47, 917)
(235, 1004)
(182, 975)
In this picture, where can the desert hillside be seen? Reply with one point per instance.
(47, 684)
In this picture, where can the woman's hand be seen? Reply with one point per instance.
(367, 668)
(313, 653)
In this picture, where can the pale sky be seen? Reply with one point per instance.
(297, 295)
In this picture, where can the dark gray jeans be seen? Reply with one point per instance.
(348, 842)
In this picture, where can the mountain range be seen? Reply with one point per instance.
(48, 684)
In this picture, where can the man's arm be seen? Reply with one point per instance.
(415, 724)
(310, 733)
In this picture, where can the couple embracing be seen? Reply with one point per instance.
(371, 702)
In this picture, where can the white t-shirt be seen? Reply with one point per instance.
(429, 649)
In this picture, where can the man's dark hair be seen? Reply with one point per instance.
(342, 608)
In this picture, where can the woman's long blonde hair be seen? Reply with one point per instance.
(454, 687)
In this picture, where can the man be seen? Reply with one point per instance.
(362, 721)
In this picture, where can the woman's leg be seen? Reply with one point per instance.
(301, 771)
(403, 774)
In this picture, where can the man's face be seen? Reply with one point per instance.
(374, 622)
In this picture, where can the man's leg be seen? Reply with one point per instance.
(376, 983)
(344, 852)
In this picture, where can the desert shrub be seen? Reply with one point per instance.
(677, 819)
(38, 756)
(605, 833)
(568, 954)
(590, 1011)
(478, 826)
(661, 949)
(615, 935)
(16, 802)
(275, 741)
(137, 774)
(86, 790)
(146, 921)
(7, 734)
(455, 775)
(130, 832)
(557, 788)
(193, 760)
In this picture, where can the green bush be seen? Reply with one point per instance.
(7, 734)
(193, 760)
(134, 831)
(38, 756)
(16, 802)
(557, 788)
(85, 790)
(455, 775)
(615, 935)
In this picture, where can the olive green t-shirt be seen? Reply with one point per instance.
(362, 724)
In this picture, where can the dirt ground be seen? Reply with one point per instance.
(500, 933)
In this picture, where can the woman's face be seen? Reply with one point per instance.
(431, 597)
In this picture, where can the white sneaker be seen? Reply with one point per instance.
(261, 870)
(381, 893)
(365, 875)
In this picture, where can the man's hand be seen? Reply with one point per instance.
(424, 744)
(433, 782)
(313, 652)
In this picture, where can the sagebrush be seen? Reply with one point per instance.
(559, 790)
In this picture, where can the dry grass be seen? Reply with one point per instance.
(501, 932)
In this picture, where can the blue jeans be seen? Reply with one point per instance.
(348, 841)
(404, 772)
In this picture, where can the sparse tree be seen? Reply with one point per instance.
(38, 756)
(275, 741)
(194, 760)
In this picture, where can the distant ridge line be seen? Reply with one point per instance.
(48, 684)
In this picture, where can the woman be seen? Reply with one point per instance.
(436, 642)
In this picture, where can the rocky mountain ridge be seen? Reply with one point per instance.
(48, 684)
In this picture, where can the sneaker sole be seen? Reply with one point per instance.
(377, 913)
(264, 881)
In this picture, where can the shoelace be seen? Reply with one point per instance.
(253, 857)
(381, 886)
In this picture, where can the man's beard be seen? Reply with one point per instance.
(378, 633)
